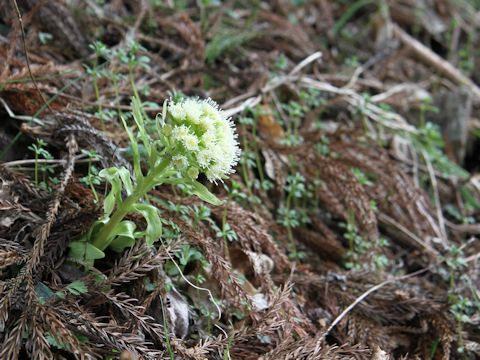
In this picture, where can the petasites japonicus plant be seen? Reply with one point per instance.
(190, 137)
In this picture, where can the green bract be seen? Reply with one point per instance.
(191, 137)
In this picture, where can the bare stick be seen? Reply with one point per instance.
(309, 59)
(210, 295)
(363, 296)
(436, 197)
(411, 235)
(432, 59)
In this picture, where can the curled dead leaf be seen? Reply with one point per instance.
(268, 127)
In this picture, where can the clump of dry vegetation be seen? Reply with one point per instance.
(349, 230)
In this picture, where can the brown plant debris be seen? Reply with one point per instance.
(349, 229)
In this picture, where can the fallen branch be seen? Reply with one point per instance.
(429, 57)
(363, 296)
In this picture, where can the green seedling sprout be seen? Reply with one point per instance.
(91, 179)
(41, 153)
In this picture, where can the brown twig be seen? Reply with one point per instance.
(362, 297)
(27, 58)
(428, 56)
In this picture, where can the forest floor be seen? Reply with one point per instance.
(349, 230)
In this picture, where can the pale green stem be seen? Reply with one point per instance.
(293, 246)
(97, 92)
(36, 168)
(257, 156)
(224, 222)
(132, 81)
(104, 237)
(244, 164)
(92, 187)
(117, 96)
(134, 87)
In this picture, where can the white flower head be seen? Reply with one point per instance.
(176, 110)
(180, 132)
(209, 137)
(210, 109)
(203, 137)
(190, 141)
(204, 158)
(193, 110)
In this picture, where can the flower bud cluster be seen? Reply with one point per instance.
(203, 139)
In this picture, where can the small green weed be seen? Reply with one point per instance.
(428, 139)
(42, 166)
(359, 247)
(291, 214)
(92, 178)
